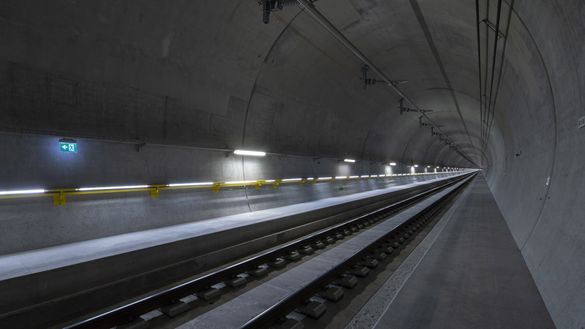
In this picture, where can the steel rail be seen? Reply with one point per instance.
(276, 312)
(132, 310)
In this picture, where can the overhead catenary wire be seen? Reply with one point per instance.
(501, 69)
(493, 68)
(323, 21)
(477, 21)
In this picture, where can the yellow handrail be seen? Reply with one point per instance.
(60, 195)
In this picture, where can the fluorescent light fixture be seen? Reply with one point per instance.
(240, 182)
(428, 166)
(105, 188)
(324, 178)
(353, 177)
(270, 180)
(393, 164)
(365, 176)
(416, 166)
(292, 180)
(349, 160)
(340, 177)
(18, 192)
(250, 153)
(190, 184)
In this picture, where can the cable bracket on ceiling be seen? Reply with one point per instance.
(492, 27)
(269, 6)
(370, 81)
(404, 109)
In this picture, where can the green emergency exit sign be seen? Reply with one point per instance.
(68, 145)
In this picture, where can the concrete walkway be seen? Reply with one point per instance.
(467, 274)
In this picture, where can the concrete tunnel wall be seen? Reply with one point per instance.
(90, 217)
(210, 74)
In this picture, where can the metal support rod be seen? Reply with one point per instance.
(308, 6)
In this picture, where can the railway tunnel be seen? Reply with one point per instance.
(292, 164)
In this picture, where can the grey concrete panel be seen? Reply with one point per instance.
(468, 274)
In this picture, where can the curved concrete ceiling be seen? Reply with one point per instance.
(228, 80)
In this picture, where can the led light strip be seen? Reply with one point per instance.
(292, 179)
(190, 184)
(195, 184)
(20, 192)
(241, 182)
(107, 188)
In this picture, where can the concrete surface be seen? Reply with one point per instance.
(240, 310)
(94, 274)
(210, 74)
(467, 273)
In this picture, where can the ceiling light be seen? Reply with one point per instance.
(250, 153)
(393, 164)
(349, 160)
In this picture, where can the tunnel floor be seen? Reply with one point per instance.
(473, 276)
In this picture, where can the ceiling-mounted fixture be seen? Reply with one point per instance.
(269, 6)
(349, 160)
(492, 27)
(422, 123)
(404, 109)
(369, 81)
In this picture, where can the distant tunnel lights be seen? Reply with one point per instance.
(349, 160)
(393, 164)
(250, 153)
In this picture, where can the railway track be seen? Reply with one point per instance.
(350, 249)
